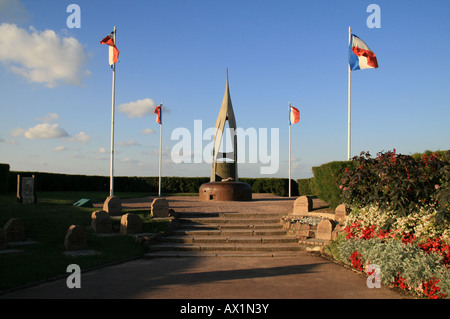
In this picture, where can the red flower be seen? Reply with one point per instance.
(431, 290)
(355, 259)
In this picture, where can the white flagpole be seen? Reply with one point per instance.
(289, 182)
(349, 100)
(111, 181)
(160, 150)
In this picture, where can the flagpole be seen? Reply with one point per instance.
(111, 181)
(160, 151)
(289, 182)
(349, 100)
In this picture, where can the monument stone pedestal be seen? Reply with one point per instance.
(225, 191)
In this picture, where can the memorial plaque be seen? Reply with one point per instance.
(324, 230)
(160, 207)
(130, 224)
(302, 205)
(75, 238)
(14, 230)
(113, 206)
(101, 222)
(341, 213)
(26, 192)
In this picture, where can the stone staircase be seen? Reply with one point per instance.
(227, 235)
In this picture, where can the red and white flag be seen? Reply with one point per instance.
(294, 115)
(360, 55)
(158, 112)
(113, 51)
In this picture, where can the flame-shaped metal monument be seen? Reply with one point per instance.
(224, 184)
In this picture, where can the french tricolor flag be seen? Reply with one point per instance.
(113, 51)
(360, 56)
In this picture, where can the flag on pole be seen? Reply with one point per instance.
(294, 115)
(113, 51)
(158, 114)
(360, 56)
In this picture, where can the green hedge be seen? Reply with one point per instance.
(306, 186)
(327, 179)
(325, 183)
(58, 182)
(4, 177)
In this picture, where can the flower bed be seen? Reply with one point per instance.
(399, 220)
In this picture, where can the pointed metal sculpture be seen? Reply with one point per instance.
(224, 184)
(226, 113)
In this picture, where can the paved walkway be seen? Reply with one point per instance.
(304, 277)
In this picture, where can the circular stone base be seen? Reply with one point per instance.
(225, 191)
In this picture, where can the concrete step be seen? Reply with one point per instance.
(234, 220)
(230, 226)
(229, 232)
(236, 240)
(225, 247)
(187, 215)
(218, 254)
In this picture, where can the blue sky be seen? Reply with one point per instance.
(55, 108)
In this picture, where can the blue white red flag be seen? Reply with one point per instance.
(113, 51)
(158, 113)
(360, 56)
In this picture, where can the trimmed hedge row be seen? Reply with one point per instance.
(4, 176)
(58, 182)
(325, 183)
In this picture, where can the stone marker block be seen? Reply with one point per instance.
(324, 230)
(130, 224)
(113, 206)
(160, 208)
(341, 213)
(2, 239)
(101, 222)
(75, 238)
(14, 230)
(303, 205)
(26, 189)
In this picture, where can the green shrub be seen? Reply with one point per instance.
(398, 182)
(396, 260)
(4, 176)
(327, 179)
(306, 186)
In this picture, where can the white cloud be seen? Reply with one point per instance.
(148, 131)
(59, 148)
(81, 138)
(129, 143)
(17, 131)
(50, 117)
(102, 150)
(45, 131)
(138, 108)
(42, 57)
(8, 141)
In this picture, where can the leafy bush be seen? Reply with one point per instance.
(4, 175)
(327, 179)
(306, 186)
(398, 182)
(402, 265)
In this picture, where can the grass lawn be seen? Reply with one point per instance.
(47, 222)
